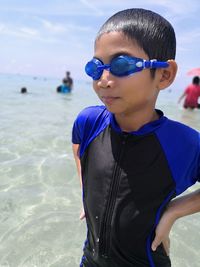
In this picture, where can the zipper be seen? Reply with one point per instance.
(157, 219)
(106, 224)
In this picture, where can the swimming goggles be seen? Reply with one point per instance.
(121, 66)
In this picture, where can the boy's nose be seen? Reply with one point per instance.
(105, 79)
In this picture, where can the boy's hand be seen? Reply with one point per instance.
(82, 214)
(165, 242)
(162, 232)
(180, 207)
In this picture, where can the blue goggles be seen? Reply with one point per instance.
(121, 66)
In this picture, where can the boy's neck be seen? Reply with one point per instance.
(136, 121)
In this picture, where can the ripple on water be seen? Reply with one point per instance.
(7, 156)
(42, 240)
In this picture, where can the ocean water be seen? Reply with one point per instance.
(40, 196)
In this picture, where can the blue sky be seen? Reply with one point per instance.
(49, 37)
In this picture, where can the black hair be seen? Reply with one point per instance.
(195, 80)
(153, 33)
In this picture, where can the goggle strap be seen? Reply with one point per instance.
(155, 64)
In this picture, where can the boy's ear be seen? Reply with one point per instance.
(167, 75)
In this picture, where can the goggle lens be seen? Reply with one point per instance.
(122, 66)
(93, 69)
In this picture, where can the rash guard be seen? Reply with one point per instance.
(128, 180)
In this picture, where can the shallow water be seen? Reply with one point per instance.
(40, 196)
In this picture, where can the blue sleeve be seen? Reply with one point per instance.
(76, 130)
(81, 125)
(181, 145)
(90, 122)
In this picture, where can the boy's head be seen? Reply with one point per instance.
(133, 61)
(154, 34)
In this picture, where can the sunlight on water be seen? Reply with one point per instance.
(40, 196)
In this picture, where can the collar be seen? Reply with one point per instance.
(145, 129)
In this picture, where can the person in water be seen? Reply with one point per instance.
(191, 94)
(23, 90)
(69, 80)
(132, 160)
(64, 87)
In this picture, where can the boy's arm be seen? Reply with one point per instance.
(180, 207)
(76, 148)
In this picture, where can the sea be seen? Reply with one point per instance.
(40, 196)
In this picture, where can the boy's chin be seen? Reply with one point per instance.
(114, 110)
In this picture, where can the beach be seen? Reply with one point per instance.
(40, 197)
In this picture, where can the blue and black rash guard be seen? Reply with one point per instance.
(128, 180)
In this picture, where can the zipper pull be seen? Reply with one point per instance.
(124, 137)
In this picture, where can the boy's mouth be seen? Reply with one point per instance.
(109, 99)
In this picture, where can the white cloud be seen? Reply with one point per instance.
(53, 27)
(2, 27)
(53, 8)
(177, 7)
(28, 34)
(189, 37)
(63, 28)
(90, 5)
(97, 7)
(29, 31)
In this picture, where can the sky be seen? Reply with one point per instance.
(46, 38)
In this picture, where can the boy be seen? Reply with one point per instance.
(132, 159)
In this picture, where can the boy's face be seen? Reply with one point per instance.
(124, 95)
